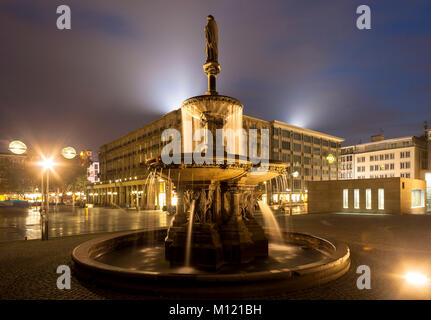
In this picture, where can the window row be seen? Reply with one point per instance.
(368, 202)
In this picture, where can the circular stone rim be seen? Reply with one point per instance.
(212, 97)
(264, 282)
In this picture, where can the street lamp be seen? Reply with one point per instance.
(17, 147)
(47, 165)
(294, 174)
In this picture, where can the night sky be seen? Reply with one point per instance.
(125, 63)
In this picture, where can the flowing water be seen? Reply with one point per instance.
(271, 223)
(189, 234)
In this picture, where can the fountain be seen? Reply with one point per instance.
(214, 241)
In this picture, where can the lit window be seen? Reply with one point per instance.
(418, 198)
(368, 199)
(356, 198)
(381, 199)
(345, 198)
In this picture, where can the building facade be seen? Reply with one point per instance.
(382, 195)
(93, 172)
(406, 157)
(126, 181)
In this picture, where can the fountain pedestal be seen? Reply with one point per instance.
(226, 233)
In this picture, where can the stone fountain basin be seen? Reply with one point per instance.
(240, 171)
(334, 261)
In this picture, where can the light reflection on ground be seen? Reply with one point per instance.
(152, 259)
(18, 223)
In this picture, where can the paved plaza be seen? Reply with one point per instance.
(19, 223)
(390, 245)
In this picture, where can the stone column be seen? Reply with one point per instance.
(236, 238)
(168, 195)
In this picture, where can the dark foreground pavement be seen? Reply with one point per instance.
(389, 245)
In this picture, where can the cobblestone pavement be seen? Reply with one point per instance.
(389, 245)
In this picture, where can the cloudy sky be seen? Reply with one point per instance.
(125, 63)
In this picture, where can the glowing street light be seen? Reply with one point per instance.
(416, 278)
(47, 164)
(295, 174)
(330, 158)
(17, 147)
(68, 152)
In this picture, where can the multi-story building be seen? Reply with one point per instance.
(93, 172)
(405, 157)
(123, 162)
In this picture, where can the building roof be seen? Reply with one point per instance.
(380, 142)
(307, 131)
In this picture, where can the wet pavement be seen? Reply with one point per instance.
(389, 245)
(19, 223)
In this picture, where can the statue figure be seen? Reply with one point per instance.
(211, 35)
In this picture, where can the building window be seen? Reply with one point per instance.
(356, 198)
(285, 145)
(345, 198)
(407, 154)
(285, 157)
(296, 147)
(368, 199)
(297, 159)
(418, 198)
(296, 136)
(381, 199)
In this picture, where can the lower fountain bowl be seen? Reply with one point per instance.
(134, 262)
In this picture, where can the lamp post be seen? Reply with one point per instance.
(294, 174)
(46, 165)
